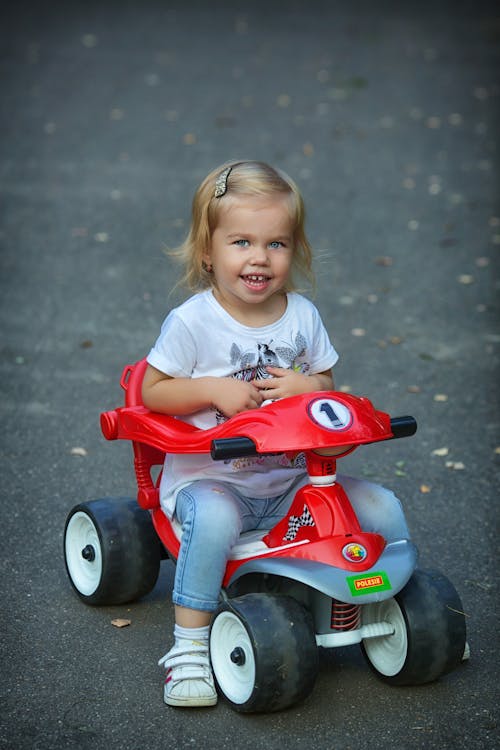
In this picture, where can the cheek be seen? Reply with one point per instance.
(284, 263)
(227, 264)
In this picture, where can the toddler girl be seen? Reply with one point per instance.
(245, 337)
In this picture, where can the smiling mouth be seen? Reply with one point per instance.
(255, 279)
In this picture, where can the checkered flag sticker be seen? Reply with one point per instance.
(295, 522)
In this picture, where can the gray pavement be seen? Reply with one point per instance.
(387, 116)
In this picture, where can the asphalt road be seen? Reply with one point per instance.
(386, 114)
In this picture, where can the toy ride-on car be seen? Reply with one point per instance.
(314, 580)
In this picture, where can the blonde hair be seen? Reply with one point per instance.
(250, 179)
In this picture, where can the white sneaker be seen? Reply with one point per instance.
(189, 680)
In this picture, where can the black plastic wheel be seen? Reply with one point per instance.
(111, 551)
(263, 652)
(429, 631)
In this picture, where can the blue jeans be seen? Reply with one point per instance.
(214, 514)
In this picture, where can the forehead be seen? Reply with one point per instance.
(250, 213)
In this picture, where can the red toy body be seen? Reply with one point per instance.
(351, 586)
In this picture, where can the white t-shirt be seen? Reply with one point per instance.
(200, 338)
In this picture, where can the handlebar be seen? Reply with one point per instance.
(403, 426)
(237, 447)
(234, 447)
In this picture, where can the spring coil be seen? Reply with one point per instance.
(345, 616)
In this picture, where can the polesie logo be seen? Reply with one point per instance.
(368, 584)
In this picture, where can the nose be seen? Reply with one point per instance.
(259, 255)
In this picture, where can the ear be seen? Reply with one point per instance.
(206, 262)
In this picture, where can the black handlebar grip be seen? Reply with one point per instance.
(225, 448)
(403, 426)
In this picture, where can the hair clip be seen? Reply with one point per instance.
(221, 183)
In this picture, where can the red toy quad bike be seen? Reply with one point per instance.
(315, 579)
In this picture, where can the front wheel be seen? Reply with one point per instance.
(428, 638)
(111, 551)
(263, 652)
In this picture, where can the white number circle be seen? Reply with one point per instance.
(330, 414)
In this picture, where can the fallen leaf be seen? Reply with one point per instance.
(466, 278)
(413, 389)
(440, 397)
(189, 139)
(424, 489)
(358, 332)
(481, 93)
(455, 465)
(433, 122)
(89, 40)
(384, 260)
(497, 449)
(77, 451)
(409, 183)
(396, 340)
(87, 344)
(440, 452)
(121, 623)
(283, 100)
(101, 237)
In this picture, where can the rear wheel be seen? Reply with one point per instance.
(263, 652)
(429, 636)
(111, 551)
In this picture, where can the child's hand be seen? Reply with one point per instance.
(231, 396)
(285, 383)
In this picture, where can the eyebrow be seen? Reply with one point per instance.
(276, 237)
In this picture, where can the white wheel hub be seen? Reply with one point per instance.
(83, 553)
(232, 657)
(387, 653)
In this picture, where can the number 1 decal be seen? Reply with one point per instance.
(326, 408)
(330, 414)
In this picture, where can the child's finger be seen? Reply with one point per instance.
(264, 383)
(278, 372)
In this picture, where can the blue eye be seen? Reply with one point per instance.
(242, 243)
(275, 245)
